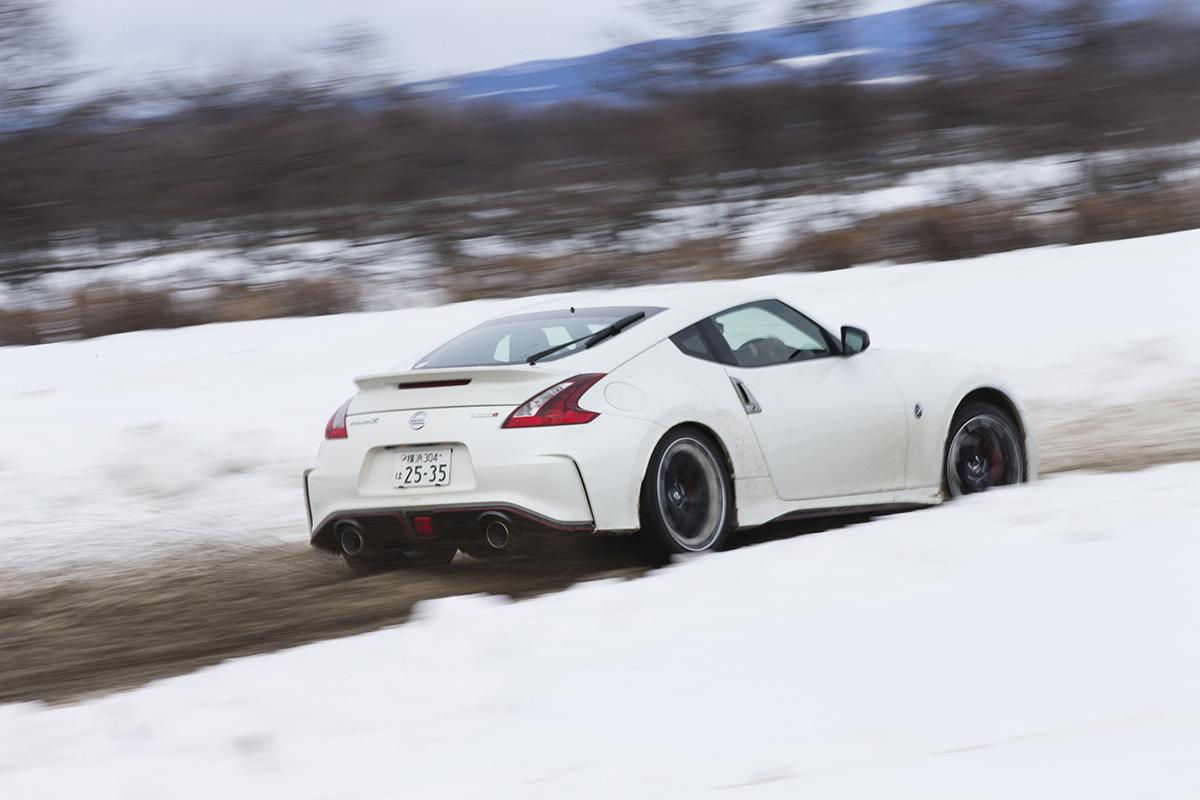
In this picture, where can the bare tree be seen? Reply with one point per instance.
(697, 17)
(837, 118)
(704, 136)
(826, 22)
(704, 49)
(30, 79)
(354, 61)
(31, 50)
(822, 16)
(967, 39)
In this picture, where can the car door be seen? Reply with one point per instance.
(828, 425)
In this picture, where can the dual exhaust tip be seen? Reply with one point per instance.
(351, 538)
(497, 532)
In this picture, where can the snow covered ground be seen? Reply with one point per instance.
(1032, 642)
(116, 447)
(1035, 642)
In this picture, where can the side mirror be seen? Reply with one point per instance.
(854, 340)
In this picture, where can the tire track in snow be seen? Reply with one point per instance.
(68, 635)
(80, 631)
(1120, 437)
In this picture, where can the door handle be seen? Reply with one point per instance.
(748, 402)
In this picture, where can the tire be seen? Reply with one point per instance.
(400, 558)
(984, 450)
(687, 496)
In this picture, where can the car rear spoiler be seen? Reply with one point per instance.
(455, 376)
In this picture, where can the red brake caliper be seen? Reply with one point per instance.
(995, 466)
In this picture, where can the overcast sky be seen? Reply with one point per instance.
(122, 39)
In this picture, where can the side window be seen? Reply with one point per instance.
(770, 332)
(692, 342)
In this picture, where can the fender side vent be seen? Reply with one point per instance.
(748, 402)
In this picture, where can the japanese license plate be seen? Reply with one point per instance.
(422, 468)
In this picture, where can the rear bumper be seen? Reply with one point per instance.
(548, 490)
(580, 478)
(446, 525)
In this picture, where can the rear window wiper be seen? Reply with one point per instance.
(591, 339)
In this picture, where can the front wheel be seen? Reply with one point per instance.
(687, 496)
(984, 451)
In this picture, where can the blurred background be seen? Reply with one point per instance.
(164, 165)
(165, 628)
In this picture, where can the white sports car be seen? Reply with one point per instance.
(680, 419)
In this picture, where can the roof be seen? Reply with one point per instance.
(683, 304)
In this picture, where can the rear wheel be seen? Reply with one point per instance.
(984, 450)
(687, 496)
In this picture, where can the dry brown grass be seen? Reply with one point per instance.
(520, 275)
(107, 309)
(1112, 215)
(306, 297)
(927, 233)
(20, 326)
(966, 230)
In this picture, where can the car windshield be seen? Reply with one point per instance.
(512, 340)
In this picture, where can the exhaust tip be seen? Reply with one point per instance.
(352, 540)
(496, 533)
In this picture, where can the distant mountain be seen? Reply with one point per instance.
(882, 47)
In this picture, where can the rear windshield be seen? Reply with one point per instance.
(512, 340)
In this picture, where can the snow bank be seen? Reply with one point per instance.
(1027, 643)
(112, 446)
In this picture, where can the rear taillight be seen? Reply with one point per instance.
(336, 427)
(558, 405)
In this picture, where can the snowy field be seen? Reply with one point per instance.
(1032, 642)
(118, 447)
(1035, 642)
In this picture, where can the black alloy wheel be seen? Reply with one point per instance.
(687, 496)
(984, 451)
